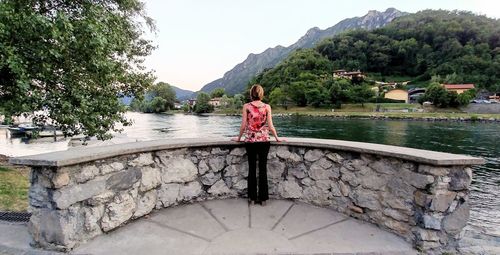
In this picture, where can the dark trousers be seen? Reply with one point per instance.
(260, 150)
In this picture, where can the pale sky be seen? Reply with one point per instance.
(199, 40)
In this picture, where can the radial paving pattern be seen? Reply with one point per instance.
(233, 227)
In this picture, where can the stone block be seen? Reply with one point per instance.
(38, 195)
(146, 203)
(178, 170)
(283, 152)
(190, 190)
(237, 169)
(460, 178)
(373, 182)
(399, 227)
(344, 189)
(55, 228)
(395, 202)
(92, 216)
(86, 173)
(123, 180)
(240, 185)
(415, 179)
(219, 151)
(168, 194)
(442, 201)
(307, 181)
(298, 171)
(335, 189)
(395, 214)
(383, 166)
(217, 163)
(118, 211)
(240, 151)
(335, 157)
(367, 199)
(275, 169)
(317, 196)
(151, 178)
(144, 159)
(349, 177)
(432, 221)
(433, 170)
(289, 189)
(111, 167)
(422, 199)
(400, 188)
(426, 235)
(69, 195)
(210, 178)
(317, 172)
(203, 167)
(313, 155)
(60, 179)
(456, 221)
(219, 188)
(101, 198)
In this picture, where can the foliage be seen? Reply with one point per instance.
(443, 98)
(71, 60)
(441, 46)
(360, 94)
(166, 92)
(218, 92)
(159, 98)
(278, 98)
(238, 101)
(202, 105)
(451, 47)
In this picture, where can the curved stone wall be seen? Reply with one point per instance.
(78, 194)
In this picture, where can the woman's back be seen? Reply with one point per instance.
(257, 129)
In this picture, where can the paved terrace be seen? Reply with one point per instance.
(186, 196)
(231, 226)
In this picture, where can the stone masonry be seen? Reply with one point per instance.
(425, 204)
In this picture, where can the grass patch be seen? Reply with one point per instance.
(14, 187)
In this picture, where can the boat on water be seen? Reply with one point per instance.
(34, 131)
(21, 129)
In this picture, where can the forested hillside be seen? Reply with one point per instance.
(235, 80)
(451, 47)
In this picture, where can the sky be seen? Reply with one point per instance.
(199, 40)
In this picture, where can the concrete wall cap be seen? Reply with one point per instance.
(86, 154)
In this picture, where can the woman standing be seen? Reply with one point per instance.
(256, 123)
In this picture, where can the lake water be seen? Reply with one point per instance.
(477, 139)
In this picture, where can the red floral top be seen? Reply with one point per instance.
(257, 129)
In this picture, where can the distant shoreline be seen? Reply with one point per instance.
(429, 117)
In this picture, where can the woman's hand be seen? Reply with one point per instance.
(236, 139)
(280, 139)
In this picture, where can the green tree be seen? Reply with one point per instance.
(278, 97)
(218, 92)
(202, 105)
(166, 92)
(238, 101)
(437, 95)
(360, 94)
(73, 59)
(158, 104)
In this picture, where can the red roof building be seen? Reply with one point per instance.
(459, 88)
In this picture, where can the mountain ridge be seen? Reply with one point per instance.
(182, 94)
(235, 80)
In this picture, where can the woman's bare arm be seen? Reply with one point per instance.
(243, 123)
(271, 125)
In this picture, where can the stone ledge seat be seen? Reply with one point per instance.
(82, 193)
